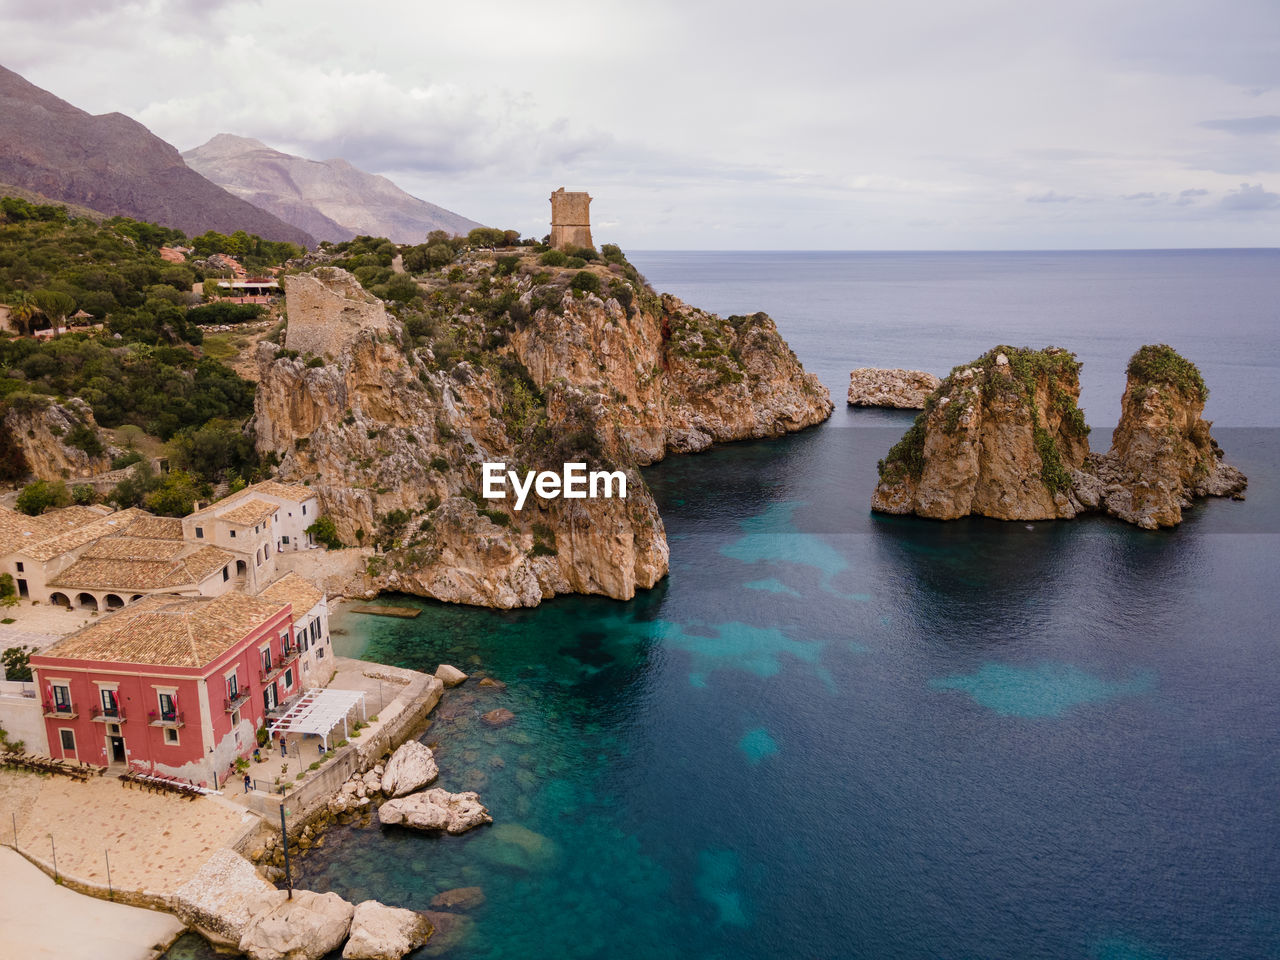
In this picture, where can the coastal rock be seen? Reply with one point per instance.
(900, 389)
(59, 440)
(498, 718)
(491, 683)
(379, 932)
(435, 810)
(450, 676)
(220, 900)
(305, 927)
(391, 432)
(460, 898)
(410, 768)
(451, 931)
(1162, 455)
(1000, 438)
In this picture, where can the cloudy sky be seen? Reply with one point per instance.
(921, 124)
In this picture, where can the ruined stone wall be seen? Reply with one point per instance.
(326, 309)
(570, 220)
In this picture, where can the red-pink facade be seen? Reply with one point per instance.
(187, 722)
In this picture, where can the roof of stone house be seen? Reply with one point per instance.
(20, 532)
(294, 589)
(155, 528)
(127, 574)
(252, 511)
(285, 491)
(78, 532)
(168, 631)
(133, 548)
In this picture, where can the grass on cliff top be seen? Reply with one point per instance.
(1160, 363)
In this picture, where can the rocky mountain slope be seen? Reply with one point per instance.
(390, 418)
(330, 199)
(1003, 437)
(115, 165)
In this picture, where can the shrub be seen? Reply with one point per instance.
(39, 496)
(126, 460)
(575, 263)
(325, 532)
(1160, 363)
(553, 258)
(82, 494)
(585, 281)
(505, 266)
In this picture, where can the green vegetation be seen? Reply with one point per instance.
(553, 258)
(42, 495)
(325, 532)
(1160, 364)
(222, 312)
(253, 253)
(17, 662)
(906, 457)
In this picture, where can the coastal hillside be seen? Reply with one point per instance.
(330, 199)
(531, 358)
(115, 165)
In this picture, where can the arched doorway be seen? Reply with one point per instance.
(60, 600)
(135, 598)
(86, 601)
(113, 602)
(242, 571)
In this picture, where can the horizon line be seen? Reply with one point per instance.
(1273, 249)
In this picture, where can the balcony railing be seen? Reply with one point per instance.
(232, 704)
(269, 672)
(169, 718)
(109, 714)
(63, 711)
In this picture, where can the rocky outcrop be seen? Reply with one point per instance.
(304, 927)
(1000, 437)
(391, 425)
(900, 389)
(410, 768)
(60, 440)
(221, 899)
(326, 308)
(435, 810)
(1162, 455)
(450, 676)
(379, 932)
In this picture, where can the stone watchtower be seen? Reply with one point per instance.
(570, 220)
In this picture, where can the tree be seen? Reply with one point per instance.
(17, 662)
(40, 495)
(23, 310)
(325, 532)
(55, 305)
(176, 495)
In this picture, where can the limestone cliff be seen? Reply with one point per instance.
(999, 438)
(1003, 437)
(1162, 455)
(901, 389)
(506, 361)
(59, 440)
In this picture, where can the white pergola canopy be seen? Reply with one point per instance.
(317, 712)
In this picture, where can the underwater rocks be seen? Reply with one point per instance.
(900, 389)
(460, 898)
(498, 718)
(436, 809)
(410, 768)
(1003, 437)
(450, 676)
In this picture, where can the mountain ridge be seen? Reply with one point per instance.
(113, 164)
(331, 199)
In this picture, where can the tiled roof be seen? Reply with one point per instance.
(133, 548)
(127, 574)
(155, 528)
(168, 631)
(294, 589)
(250, 512)
(285, 491)
(112, 523)
(20, 532)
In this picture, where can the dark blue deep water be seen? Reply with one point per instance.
(830, 734)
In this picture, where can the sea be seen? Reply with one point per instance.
(835, 734)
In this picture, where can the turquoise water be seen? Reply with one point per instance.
(833, 734)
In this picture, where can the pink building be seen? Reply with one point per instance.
(176, 686)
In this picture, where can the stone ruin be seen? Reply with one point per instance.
(570, 220)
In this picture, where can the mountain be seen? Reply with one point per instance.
(330, 199)
(115, 165)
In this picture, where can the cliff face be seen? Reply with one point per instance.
(391, 429)
(903, 389)
(1003, 438)
(999, 438)
(1162, 455)
(60, 441)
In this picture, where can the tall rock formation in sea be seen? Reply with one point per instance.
(1000, 437)
(330, 199)
(1003, 437)
(115, 165)
(390, 419)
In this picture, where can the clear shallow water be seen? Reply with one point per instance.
(829, 734)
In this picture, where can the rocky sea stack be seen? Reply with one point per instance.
(1003, 437)
(900, 389)
(390, 415)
